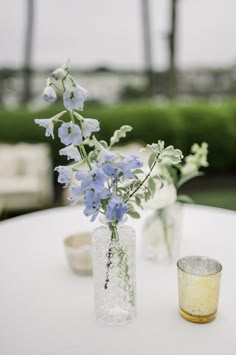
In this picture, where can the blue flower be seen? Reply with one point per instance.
(65, 174)
(92, 200)
(70, 133)
(72, 152)
(48, 123)
(75, 193)
(74, 98)
(111, 170)
(49, 94)
(89, 125)
(92, 203)
(105, 155)
(93, 179)
(128, 163)
(81, 175)
(116, 209)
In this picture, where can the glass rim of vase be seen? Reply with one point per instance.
(105, 221)
(217, 265)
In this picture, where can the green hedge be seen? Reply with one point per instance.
(177, 124)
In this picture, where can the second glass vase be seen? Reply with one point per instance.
(162, 233)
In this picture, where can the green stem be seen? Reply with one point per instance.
(114, 232)
(85, 156)
(143, 181)
(165, 230)
(110, 253)
(81, 145)
(52, 84)
(73, 82)
(63, 83)
(116, 249)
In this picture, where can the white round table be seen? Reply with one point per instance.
(45, 309)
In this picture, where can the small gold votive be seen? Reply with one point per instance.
(199, 284)
(79, 254)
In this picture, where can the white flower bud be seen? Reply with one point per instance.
(49, 94)
(58, 74)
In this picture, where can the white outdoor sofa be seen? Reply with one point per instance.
(26, 180)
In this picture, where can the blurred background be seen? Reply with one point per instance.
(166, 67)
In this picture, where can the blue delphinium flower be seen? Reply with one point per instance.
(92, 200)
(92, 203)
(75, 194)
(105, 156)
(70, 133)
(89, 125)
(49, 94)
(111, 170)
(71, 152)
(116, 209)
(48, 123)
(128, 163)
(74, 98)
(93, 179)
(65, 174)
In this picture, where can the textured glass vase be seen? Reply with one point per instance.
(113, 250)
(162, 234)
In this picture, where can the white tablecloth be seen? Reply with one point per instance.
(47, 310)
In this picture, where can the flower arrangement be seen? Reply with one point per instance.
(112, 185)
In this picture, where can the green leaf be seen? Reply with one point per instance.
(138, 171)
(185, 199)
(170, 155)
(151, 160)
(104, 144)
(155, 148)
(130, 186)
(136, 184)
(119, 133)
(138, 201)
(152, 185)
(147, 194)
(173, 172)
(134, 214)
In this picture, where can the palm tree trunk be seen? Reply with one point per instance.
(27, 66)
(147, 45)
(172, 79)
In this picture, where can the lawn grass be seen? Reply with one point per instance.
(217, 198)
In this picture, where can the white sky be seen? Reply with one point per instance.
(108, 32)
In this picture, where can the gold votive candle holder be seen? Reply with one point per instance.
(199, 285)
(79, 253)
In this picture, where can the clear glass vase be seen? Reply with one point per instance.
(162, 234)
(113, 250)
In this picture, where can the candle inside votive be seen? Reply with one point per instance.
(199, 284)
(78, 253)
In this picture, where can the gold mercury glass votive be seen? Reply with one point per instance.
(199, 284)
(79, 254)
